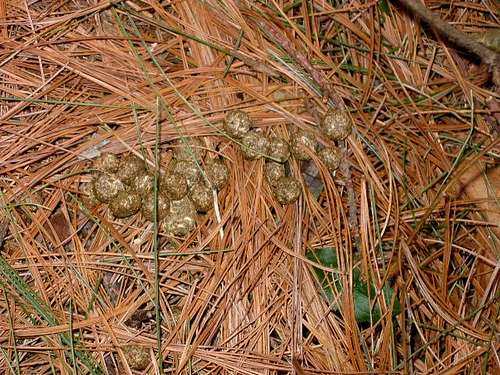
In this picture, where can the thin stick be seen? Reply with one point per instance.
(156, 250)
(351, 196)
(459, 38)
(317, 76)
(4, 225)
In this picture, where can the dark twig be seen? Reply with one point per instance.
(457, 37)
(351, 196)
(4, 225)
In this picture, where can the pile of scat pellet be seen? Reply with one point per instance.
(186, 187)
(254, 144)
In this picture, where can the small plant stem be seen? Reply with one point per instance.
(328, 93)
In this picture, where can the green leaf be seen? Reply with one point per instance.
(326, 256)
(383, 5)
(363, 295)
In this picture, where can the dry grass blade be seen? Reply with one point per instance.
(409, 223)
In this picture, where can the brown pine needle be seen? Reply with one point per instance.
(411, 216)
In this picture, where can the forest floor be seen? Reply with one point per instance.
(388, 264)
